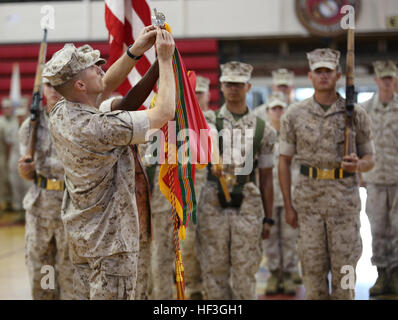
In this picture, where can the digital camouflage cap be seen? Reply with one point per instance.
(69, 61)
(235, 71)
(323, 58)
(282, 77)
(6, 103)
(202, 84)
(276, 99)
(385, 69)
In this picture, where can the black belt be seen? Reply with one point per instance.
(325, 174)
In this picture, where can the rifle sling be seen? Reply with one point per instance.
(241, 180)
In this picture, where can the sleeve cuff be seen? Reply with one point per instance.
(140, 123)
(287, 149)
(106, 106)
(22, 149)
(366, 148)
(265, 161)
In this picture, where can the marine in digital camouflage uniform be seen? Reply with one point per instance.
(229, 237)
(162, 249)
(192, 271)
(163, 255)
(204, 100)
(3, 169)
(99, 209)
(45, 239)
(19, 186)
(6, 120)
(142, 193)
(283, 82)
(382, 181)
(280, 248)
(326, 201)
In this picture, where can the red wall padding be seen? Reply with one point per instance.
(200, 55)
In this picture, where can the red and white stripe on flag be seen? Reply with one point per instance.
(125, 20)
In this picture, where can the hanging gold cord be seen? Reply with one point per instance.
(180, 282)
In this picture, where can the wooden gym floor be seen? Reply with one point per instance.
(14, 283)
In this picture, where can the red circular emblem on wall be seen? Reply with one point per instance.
(322, 17)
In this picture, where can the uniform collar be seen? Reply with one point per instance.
(392, 105)
(337, 107)
(226, 114)
(74, 105)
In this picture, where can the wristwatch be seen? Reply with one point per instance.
(132, 56)
(269, 221)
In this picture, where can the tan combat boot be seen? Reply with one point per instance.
(196, 296)
(381, 285)
(2, 206)
(394, 281)
(273, 283)
(289, 287)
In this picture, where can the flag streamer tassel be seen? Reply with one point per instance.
(176, 178)
(180, 280)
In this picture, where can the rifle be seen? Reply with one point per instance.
(223, 183)
(350, 94)
(218, 167)
(36, 99)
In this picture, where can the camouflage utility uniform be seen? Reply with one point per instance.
(328, 210)
(382, 186)
(6, 194)
(19, 186)
(280, 248)
(163, 256)
(45, 239)
(99, 209)
(4, 184)
(192, 270)
(229, 239)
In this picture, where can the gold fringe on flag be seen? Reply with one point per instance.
(180, 280)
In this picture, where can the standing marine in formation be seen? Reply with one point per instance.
(382, 180)
(280, 248)
(325, 204)
(229, 234)
(45, 239)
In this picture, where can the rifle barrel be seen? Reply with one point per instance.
(40, 65)
(350, 57)
(36, 97)
(350, 93)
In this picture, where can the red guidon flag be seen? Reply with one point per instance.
(125, 20)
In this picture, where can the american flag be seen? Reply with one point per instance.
(125, 20)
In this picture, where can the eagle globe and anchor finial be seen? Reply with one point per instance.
(158, 19)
